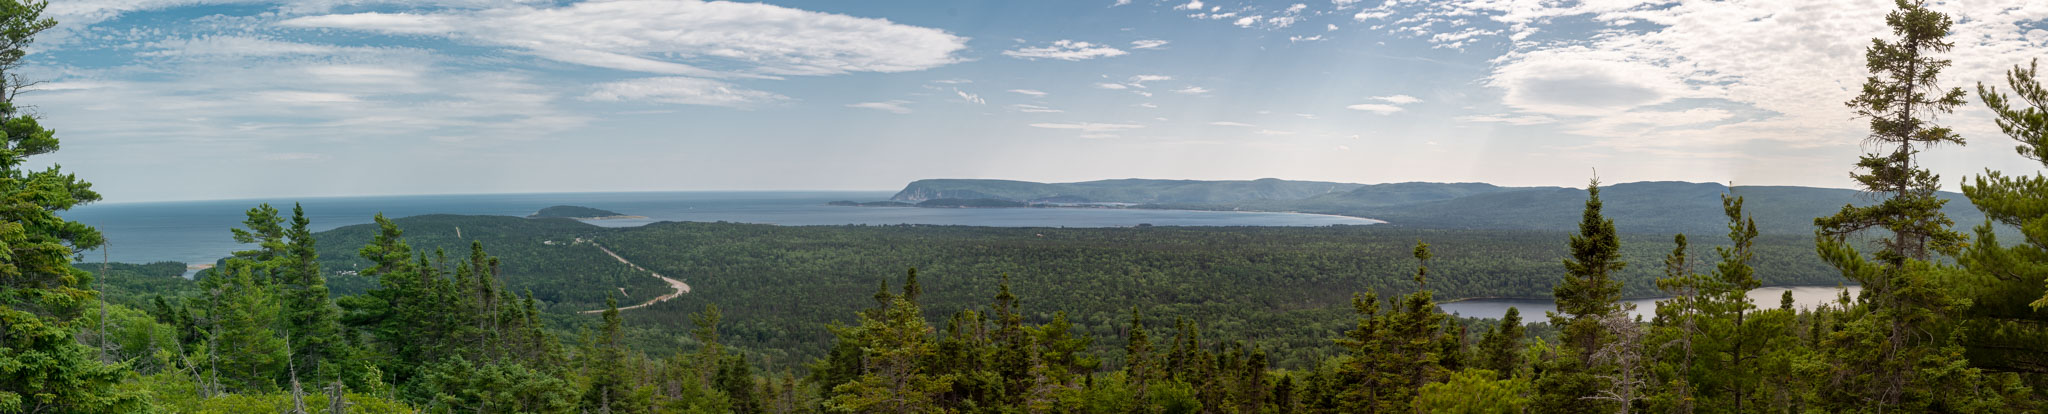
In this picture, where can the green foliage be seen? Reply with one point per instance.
(573, 212)
(42, 368)
(1474, 391)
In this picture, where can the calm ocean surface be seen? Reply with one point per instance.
(197, 231)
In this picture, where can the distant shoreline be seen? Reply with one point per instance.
(1119, 206)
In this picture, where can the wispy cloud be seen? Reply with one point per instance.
(1148, 44)
(682, 90)
(1032, 92)
(1382, 109)
(1232, 124)
(891, 106)
(1067, 50)
(637, 35)
(1034, 108)
(1087, 126)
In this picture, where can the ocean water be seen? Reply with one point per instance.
(1803, 297)
(197, 231)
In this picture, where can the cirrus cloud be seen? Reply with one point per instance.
(677, 37)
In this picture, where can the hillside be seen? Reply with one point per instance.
(1291, 285)
(1656, 207)
(1120, 191)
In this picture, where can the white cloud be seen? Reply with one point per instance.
(1273, 132)
(1191, 5)
(1192, 90)
(1398, 99)
(1148, 44)
(1032, 92)
(1112, 86)
(1247, 21)
(642, 35)
(304, 97)
(1067, 50)
(1331, 28)
(1139, 80)
(1087, 126)
(972, 98)
(1232, 124)
(953, 81)
(1148, 105)
(682, 90)
(1297, 8)
(892, 106)
(1299, 39)
(1382, 109)
(1522, 120)
(1034, 108)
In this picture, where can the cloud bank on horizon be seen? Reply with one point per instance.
(198, 99)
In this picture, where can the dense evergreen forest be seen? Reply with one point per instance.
(417, 316)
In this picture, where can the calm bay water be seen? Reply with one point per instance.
(197, 231)
(1803, 297)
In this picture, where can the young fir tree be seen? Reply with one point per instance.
(1566, 378)
(892, 377)
(1877, 354)
(251, 354)
(1501, 349)
(311, 319)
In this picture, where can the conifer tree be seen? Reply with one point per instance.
(1589, 289)
(42, 367)
(2009, 310)
(1501, 349)
(1566, 378)
(1877, 353)
(310, 316)
(892, 379)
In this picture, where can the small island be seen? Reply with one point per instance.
(580, 213)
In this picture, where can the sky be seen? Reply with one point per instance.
(218, 99)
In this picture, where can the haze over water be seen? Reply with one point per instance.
(1803, 297)
(197, 231)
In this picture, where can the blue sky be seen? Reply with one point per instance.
(210, 99)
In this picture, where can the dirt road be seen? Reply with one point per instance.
(678, 285)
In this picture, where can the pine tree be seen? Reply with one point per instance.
(42, 367)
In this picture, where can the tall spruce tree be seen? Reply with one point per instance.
(311, 319)
(1589, 289)
(42, 367)
(1876, 356)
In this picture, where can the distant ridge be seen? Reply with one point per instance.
(1119, 191)
(1652, 207)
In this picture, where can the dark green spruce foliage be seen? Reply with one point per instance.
(1566, 377)
(42, 368)
(2007, 314)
